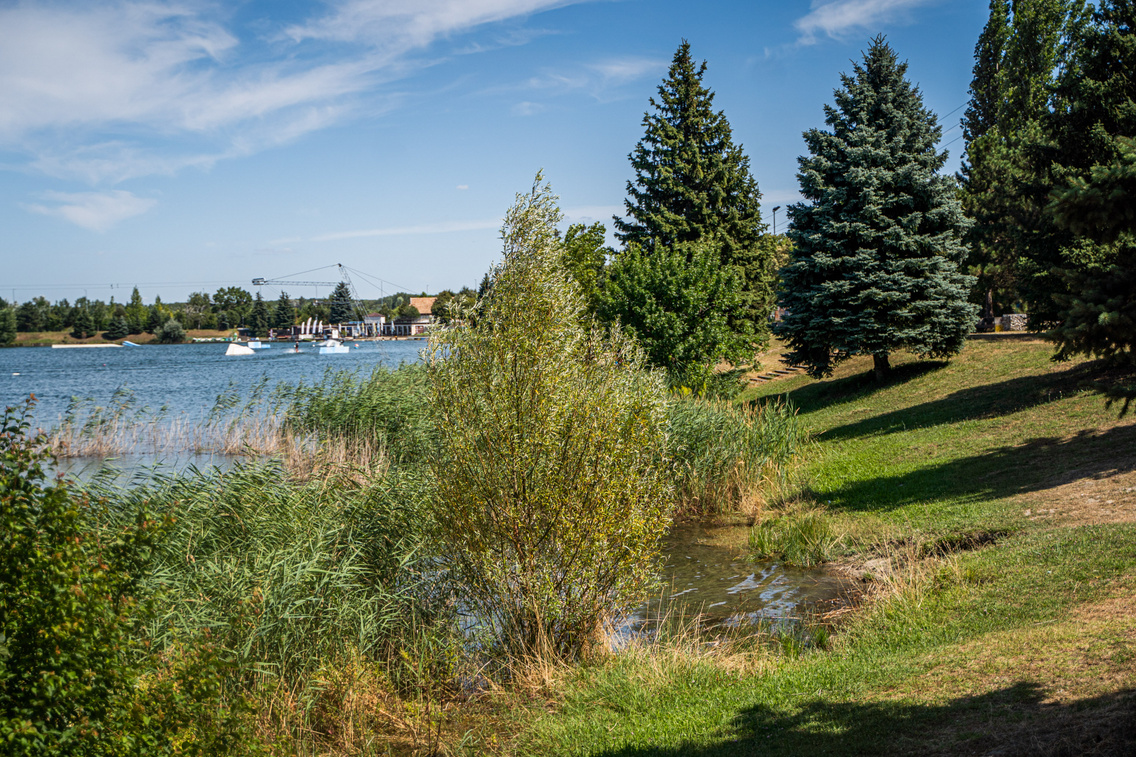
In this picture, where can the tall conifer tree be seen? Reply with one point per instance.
(1094, 128)
(879, 240)
(985, 154)
(692, 184)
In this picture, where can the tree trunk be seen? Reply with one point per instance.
(880, 366)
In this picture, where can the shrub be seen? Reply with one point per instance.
(65, 608)
(75, 675)
(550, 502)
(171, 332)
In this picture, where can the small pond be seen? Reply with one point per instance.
(709, 574)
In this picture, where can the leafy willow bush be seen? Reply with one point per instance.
(550, 503)
(721, 453)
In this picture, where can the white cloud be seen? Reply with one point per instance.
(112, 90)
(597, 79)
(835, 18)
(526, 108)
(400, 25)
(463, 187)
(395, 231)
(97, 211)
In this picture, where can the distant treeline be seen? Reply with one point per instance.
(228, 308)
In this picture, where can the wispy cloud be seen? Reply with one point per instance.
(97, 211)
(597, 79)
(395, 231)
(836, 18)
(134, 87)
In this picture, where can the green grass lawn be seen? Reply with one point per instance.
(1005, 491)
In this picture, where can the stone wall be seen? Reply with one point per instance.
(1015, 322)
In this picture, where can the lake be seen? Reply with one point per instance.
(185, 379)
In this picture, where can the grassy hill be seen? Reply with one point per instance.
(990, 504)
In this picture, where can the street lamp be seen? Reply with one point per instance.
(775, 209)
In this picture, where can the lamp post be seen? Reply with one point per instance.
(775, 209)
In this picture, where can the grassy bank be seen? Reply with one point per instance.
(48, 338)
(992, 502)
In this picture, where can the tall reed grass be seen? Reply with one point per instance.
(294, 579)
(726, 456)
(388, 407)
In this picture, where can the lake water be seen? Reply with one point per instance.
(185, 379)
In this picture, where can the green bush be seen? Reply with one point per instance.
(76, 677)
(65, 608)
(171, 332)
(550, 503)
(721, 453)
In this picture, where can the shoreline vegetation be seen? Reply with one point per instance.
(984, 508)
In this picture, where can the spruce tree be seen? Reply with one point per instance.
(879, 240)
(341, 303)
(84, 325)
(283, 315)
(136, 313)
(258, 323)
(693, 183)
(1094, 129)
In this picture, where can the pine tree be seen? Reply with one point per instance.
(878, 244)
(693, 183)
(341, 303)
(1094, 128)
(84, 325)
(283, 315)
(136, 313)
(258, 322)
(118, 329)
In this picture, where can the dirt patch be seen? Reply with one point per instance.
(1059, 688)
(1108, 498)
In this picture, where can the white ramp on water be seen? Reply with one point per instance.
(239, 349)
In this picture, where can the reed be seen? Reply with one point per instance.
(802, 537)
(294, 579)
(726, 457)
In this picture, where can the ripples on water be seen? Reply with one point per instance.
(710, 575)
(176, 380)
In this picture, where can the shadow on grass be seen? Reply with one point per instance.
(822, 394)
(1037, 465)
(1016, 720)
(983, 401)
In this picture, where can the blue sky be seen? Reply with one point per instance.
(183, 146)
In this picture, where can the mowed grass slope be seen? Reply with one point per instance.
(1004, 493)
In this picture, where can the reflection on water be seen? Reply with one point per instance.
(129, 468)
(709, 574)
